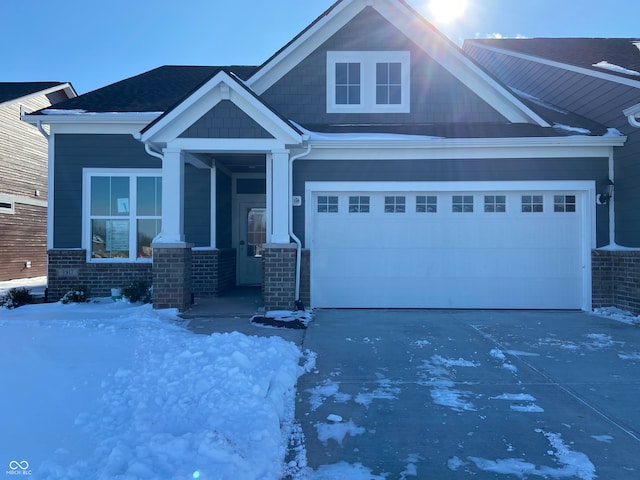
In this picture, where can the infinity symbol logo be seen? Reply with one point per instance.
(23, 465)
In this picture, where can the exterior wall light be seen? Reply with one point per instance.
(605, 192)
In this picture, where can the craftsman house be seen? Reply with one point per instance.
(23, 178)
(598, 78)
(368, 163)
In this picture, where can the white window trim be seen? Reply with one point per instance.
(368, 61)
(87, 173)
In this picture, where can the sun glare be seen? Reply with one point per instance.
(446, 11)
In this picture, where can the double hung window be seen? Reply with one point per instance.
(368, 82)
(123, 214)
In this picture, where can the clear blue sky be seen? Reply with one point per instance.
(93, 43)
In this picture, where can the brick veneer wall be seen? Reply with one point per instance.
(172, 277)
(69, 268)
(279, 271)
(616, 279)
(214, 271)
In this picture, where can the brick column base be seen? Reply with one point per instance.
(279, 282)
(172, 276)
(616, 279)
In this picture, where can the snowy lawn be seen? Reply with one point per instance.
(117, 391)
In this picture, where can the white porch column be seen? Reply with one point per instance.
(172, 197)
(279, 195)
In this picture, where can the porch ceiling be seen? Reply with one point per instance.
(237, 163)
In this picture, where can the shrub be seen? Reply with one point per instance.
(137, 291)
(78, 294)
(16, 297)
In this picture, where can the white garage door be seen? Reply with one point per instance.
(430, 249)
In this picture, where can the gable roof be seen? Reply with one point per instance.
(222, 85)
(14, 90)
(615, 56)
(157, 90)
(407, 20)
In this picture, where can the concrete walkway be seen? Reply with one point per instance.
(473, 394)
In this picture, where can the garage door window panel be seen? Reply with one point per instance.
(327, 204)
(462, 204)
(495, 203)
(426, 204)
(359, 204)
(532, 204)
(394, 204)
(564, 203)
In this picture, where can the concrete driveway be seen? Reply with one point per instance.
(472, 394)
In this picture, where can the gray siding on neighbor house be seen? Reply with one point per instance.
(596, 98)
(197, 206)
(225, 120)
(72, 154)
(450, 170)
(436, 95)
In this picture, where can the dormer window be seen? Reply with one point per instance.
(368, 82)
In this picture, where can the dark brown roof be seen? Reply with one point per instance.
(580, 52)
(14, 90)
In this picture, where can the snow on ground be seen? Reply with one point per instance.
(574, 464)
(113, 390)
(618, 315)
(35, 285)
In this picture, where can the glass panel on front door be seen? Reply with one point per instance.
(256, 231)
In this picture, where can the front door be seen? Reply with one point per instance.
(252, 235)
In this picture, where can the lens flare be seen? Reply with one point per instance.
(446, 11)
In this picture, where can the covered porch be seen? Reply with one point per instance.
(226, 166)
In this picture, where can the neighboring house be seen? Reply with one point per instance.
(23, 178)
(598, 78)
(368, 163)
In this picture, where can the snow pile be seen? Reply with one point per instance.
(569, 128)
(113, 390)
(618, 315)
(615, 68)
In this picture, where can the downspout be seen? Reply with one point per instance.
(153, 153)
(291, 234)
(42, 130)
(612, 205)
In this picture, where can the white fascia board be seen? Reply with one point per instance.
(565, 66)
(570, 147)
(236, 145)
(454, 60)
(634, 110)
(220, 87)
(303, 46)
(108, 123)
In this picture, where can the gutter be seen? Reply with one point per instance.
(632, 114)
(291, 233)
(633, 121)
